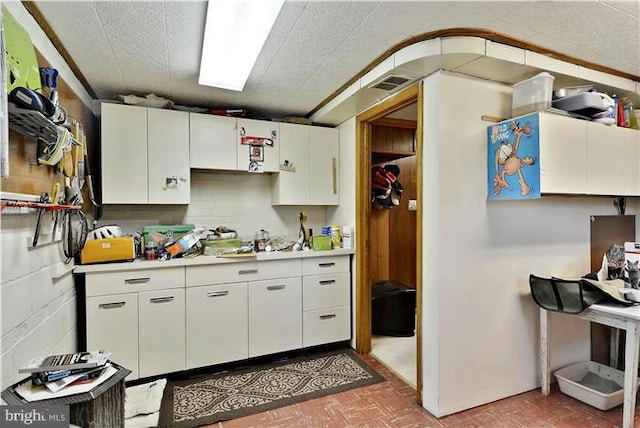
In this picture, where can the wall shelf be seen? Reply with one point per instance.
(34, 125)
(382, 156)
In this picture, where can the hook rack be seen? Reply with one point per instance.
(37, 205)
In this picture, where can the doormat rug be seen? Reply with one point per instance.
(229, 395)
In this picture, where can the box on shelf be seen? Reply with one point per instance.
(533, 94)
(598, 385)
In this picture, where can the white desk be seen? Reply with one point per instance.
(625, 318)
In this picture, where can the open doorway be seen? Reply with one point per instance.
(388, 241)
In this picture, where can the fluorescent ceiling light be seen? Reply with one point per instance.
(234, 34)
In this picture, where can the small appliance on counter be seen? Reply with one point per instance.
(105, 250)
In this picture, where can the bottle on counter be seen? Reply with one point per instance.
(347, 237)
(336, 240)
(261, 240)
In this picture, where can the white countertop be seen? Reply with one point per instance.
(207, 260)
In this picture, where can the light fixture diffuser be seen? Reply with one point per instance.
(234, 34)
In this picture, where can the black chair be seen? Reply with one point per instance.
(560, 295)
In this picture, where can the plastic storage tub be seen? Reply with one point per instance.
(175, 229)
(532, 95)
(598, 385)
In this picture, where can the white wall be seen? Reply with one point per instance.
(37, 312)
(345, 213)
(240, 201)
(480, 326)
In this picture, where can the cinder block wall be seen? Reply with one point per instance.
(37, 312)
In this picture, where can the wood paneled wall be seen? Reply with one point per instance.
(393, 231)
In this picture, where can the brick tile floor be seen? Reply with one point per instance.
(392, 404)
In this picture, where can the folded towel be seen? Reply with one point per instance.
(144, 399)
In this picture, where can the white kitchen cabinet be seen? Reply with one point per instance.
(312, 180)
(161, 337)
(138, 315)
(212, 142)
(326, 303)
(563, 154)
(613, 160)
(258, 131)
(159, 319)
(581, 157)
(124, 154)
(292, 185)
(168, 156)
(112, 325)
(275, 316)
(217, 324)
(324, 166)
(145, 155)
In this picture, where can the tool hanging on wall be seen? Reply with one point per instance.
(97, 208)
(74, 229)
(44, 199)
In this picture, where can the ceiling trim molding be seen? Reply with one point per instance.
(472, 32)
(42, 22)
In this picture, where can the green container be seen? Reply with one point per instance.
(177, 230)
(222, 243)
(321, 243)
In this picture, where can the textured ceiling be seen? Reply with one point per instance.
(141, 47)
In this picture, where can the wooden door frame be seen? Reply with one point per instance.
(363, 218)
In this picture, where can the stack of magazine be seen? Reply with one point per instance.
(56, 372)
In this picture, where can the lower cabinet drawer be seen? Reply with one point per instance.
(132, 281)
(325, 291)
(326, 326)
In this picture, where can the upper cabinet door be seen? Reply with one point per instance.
(168, 156)
(124, 154)
(563, 154)
(613, 160)
(212, 142)
(325, 148)
(292, 185)
(263, 155)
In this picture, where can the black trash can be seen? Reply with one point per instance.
(393, 309)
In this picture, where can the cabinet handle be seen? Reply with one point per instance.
(327, 282)
(218, 293)
(161, 299)
(247, 271)
(276, 287)
(137, 280)
(327, 317)
(326, 265)
(334, 166)
(111, 305)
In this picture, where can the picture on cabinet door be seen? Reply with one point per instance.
(256, 154)
(174, 183)
(257, 141)
(513, 159)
